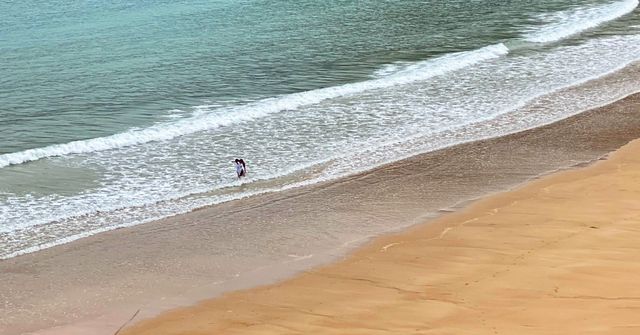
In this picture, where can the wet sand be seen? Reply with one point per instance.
(96, 284)
(557, 256)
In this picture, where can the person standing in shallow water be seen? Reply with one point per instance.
(244, 167)
(241, 168)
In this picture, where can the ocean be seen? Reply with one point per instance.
(117, 113)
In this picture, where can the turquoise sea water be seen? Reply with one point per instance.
(113, 113)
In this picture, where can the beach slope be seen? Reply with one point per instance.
(556, 256)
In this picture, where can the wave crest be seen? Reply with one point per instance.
(569, 23)
(220, 117)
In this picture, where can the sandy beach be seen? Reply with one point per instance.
(557, 256)
(412, 167)
(511, 272)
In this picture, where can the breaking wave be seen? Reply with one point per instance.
(572, 22)
(220, 117)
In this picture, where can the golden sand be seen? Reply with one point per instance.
(560, 255)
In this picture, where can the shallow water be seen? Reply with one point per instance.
(116, 114)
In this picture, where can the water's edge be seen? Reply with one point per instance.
(281, 270)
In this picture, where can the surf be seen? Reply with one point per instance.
(210, 118)
(572, 22)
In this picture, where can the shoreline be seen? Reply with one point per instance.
(538, 259)
(434, 179)
(618, 80)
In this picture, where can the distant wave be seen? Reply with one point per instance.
(219, 117)
(572, 22)
(446, 63)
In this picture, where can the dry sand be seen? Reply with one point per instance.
(557, 256)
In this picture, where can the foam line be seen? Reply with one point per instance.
(570, 23)
(238, 114)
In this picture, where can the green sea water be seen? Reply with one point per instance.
(83, 69)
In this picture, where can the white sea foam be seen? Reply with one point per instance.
(572, 22)
(156, 198)
(400, 72)
(389, 69)
(220, 117)
(174, 114)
